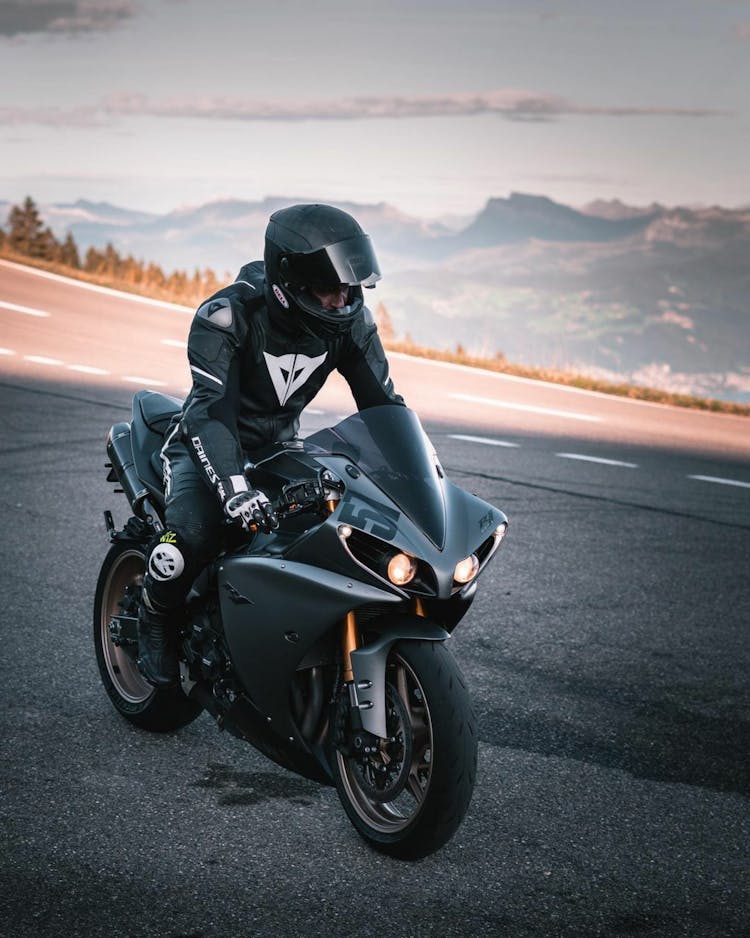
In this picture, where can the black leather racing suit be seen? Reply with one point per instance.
(254, 368)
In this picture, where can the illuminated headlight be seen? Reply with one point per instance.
(500, 531)
(401, 569)
(345, 531)
(466, 569)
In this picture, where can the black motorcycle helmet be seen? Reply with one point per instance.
(321, 247)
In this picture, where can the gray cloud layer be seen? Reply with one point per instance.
(509, 103)
(25, 17)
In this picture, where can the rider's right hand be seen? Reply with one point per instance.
(251, 508)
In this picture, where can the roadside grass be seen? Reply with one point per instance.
(408, 347)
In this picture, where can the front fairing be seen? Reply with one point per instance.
(388, 444)
(396, 491)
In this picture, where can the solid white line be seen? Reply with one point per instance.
(480, 439)
(598, 459)
(6, 351)
(527, 408)
(108, 291)
(175, 343)
(87, 369)
(26, 310)
(42, 360)
(146, 382)
(718, 481)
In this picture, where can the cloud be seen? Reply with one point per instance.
(22, 17)
(511, 104)
(86, 116)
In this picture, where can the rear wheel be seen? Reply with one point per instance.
(408, 797)
(118, 592)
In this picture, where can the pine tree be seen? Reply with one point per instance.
(94, 261)
(46, 247)
(25, 234)
(68, 254)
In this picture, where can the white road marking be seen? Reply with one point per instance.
(107, 291)
(480, 439)
(87, 369)
(718, 481)
(6, 351)
(313, 412)
(175, 343)
(42, 360)
(26, 310)
(598, 459)
(527, 408)
(145, 382)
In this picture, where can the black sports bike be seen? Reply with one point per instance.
(324, 643)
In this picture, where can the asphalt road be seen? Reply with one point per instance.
(607, 654)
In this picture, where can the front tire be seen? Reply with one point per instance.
(117, 592)
(440, 756)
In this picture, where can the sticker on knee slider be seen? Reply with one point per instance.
(166, 561)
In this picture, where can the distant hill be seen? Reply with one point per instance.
(655, 295)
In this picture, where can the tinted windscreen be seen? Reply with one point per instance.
(392, 448)
(351, 261)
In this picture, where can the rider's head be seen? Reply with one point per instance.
(317, 261)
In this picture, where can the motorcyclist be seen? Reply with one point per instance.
(259, 351)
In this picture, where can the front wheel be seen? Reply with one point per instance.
(409, 796)
(118, 592)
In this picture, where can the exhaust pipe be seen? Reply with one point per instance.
(120, 452)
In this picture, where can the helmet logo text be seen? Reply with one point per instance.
(279, 294)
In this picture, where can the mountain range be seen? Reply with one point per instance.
(653, 295)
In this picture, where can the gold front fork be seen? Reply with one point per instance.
(349, 643)
(350, 640)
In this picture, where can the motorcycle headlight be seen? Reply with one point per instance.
(401, 569)
(466, 569)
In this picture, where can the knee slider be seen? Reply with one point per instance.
(166, 560)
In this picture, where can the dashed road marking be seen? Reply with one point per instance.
(26, 310)
(7, 351)
(174, 343)
(598, 459)
(719, 481)
(42, 360)
(481, 439)
(87, 369)
(144, 382)
(526, 408)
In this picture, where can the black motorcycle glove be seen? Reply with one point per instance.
(251, 508)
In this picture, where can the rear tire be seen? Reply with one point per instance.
(118, 591)
(441, 757)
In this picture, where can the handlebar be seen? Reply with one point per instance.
(307, 495)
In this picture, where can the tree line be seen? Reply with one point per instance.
(26, 236)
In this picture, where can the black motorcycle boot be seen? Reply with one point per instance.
(157, 653)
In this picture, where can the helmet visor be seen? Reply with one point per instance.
(351, 261)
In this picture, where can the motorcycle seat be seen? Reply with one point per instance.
(157, 409)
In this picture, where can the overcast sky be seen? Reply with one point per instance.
(431, 105)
